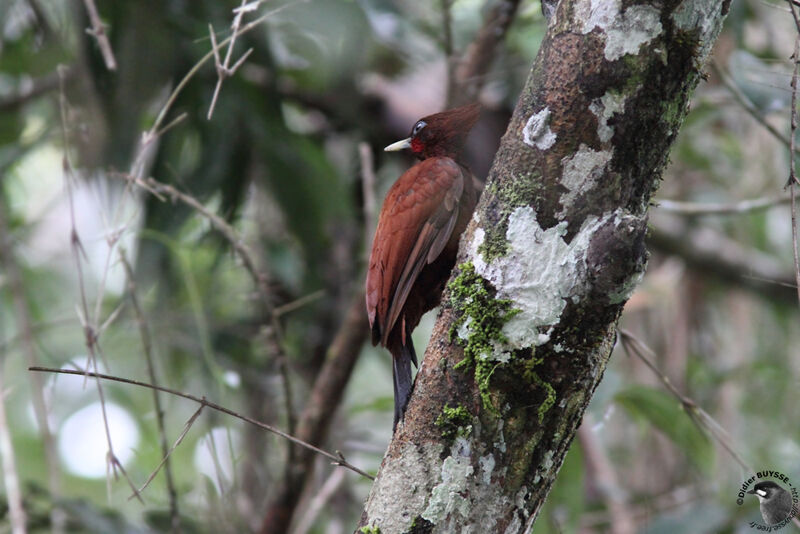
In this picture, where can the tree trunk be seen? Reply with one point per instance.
(554, 250)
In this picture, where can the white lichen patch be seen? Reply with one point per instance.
(515, 526)
(447, 497)
(395, 504)
(463, 330)
(604, 108)
(539, 273)
(547, 462)
(625, 31)
(596, 13)
(582, 171)
(487, 467)
(521, 497)
(500, 444)
(499, 353)
(537, 132)
(627, 289)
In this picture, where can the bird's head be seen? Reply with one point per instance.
(765, 490)
(440, 134)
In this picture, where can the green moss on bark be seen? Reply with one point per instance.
(532, 377)
(478, 327)
(454, 422)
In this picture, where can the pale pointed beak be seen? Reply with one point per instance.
(400, 145)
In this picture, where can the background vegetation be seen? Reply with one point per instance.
(277, 176)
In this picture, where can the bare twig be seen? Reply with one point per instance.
(298, 303)
(748, 105)
(698, 415)
(701, 418)
(98, 31)
(147, 347)
(717, 256)
(152, 134)
(34, 89)
(90, 333)
(335, 459)
(320, 501)
(223, 68)
(473, 67)
(598, 463)
(793, 130)
(795, 15)
(22, 311)
(734, 208)
(161, 190)
(10, 477)
(165, 460)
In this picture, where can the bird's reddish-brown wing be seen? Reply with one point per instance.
(416, 222)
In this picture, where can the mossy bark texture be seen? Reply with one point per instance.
(553, 252)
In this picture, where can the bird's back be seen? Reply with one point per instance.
(420, 197)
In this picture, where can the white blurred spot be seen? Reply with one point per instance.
(232, 378)
(82, 439)
(214, 456)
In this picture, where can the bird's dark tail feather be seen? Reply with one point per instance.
(401, 373)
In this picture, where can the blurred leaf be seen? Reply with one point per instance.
(664, 412)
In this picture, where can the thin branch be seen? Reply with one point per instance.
(748, 105)
(336, 459)
(228, 232)
(153, 133)
(34, 89)
(23, 318)
(717, 256)
(795, 16)
(147, 347)
(320, 501)
(472, 69)
(298, 303)
(793, 130)
(711, 208)
(90, 333)
(16, 511)
(165, 460)
(701, 418)
(606, 480)
(98, 31)
(223, 69)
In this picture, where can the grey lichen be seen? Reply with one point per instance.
(625, 31)
(447, 497)
(540, 277)
(537, 132)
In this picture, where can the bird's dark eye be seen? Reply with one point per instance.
(418, 126)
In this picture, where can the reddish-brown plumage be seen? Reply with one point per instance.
(416, 241)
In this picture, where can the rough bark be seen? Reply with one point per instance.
(549, 260)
